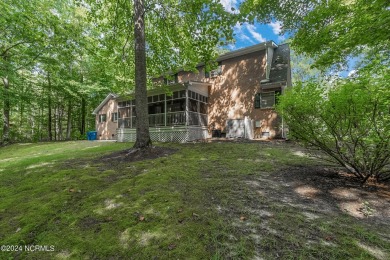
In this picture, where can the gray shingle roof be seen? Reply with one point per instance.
(280, 68)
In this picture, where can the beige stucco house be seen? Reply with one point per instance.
(235, 100)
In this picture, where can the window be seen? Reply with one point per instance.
(114, 117)
(266, 99)
(102, 118)
(126, 103)
(171, 80)
(214, 73)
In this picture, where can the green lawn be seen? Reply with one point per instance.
(206, 201)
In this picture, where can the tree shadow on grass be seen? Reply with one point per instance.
(331, 191)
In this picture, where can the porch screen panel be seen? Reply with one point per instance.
(193, 106)
(203, 108)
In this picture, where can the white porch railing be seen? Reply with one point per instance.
(168, 119)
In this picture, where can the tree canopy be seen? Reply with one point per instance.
(50, 70)
(329, 31)
(156, 38)
(60, 58)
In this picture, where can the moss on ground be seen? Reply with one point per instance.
(207, 200)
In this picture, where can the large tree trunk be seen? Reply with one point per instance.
(83, 111)
(6, 109)
(141, 102)
(55, 123)
(60, 114)
(41, 116)
(69, 120)
(49, 123)
(21, 119)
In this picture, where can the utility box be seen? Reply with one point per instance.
(239, 128)
(235, 128)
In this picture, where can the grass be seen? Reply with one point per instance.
(207, 201)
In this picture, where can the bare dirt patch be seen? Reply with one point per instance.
(134, 155)
(334, 190)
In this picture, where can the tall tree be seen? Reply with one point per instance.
(23, 35)
(143, 136)
(166, 35)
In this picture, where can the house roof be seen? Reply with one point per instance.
(236, 53)
(109, 96)
(250, 49)
(280, 66)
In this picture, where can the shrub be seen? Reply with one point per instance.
(349, 121)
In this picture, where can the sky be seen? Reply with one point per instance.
(251, 34)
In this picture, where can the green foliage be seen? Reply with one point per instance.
(350, 120)
(157, 38)
(347, 119)
(329, 31)
(49, 51)
(302, 68)
(179, 34)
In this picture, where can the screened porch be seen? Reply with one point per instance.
(181, 107)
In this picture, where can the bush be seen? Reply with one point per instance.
(349, 121)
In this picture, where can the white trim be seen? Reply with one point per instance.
(240, 52)
(199, 87)
(101, 118)
(270, 55)
(109, 96)
(113, 117)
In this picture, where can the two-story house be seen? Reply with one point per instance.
(237, 100)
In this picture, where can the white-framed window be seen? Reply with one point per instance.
(102, 118)
(114, 117)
